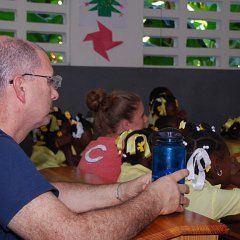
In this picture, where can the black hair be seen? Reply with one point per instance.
(203, 136)
(231, 129)
(159, 91)
(167, 121)
(142, 141)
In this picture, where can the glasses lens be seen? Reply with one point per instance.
(56, 81)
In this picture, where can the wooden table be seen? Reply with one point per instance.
(186, 225)
(71, 174)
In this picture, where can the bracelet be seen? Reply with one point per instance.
(118, 197)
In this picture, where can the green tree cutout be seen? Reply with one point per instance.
(105, 7)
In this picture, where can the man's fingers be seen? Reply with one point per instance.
(184, 201)
(178, 175)
(180, 208)
(183, 188)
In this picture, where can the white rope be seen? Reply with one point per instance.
(198, 181)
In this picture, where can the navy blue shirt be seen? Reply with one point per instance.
(20, 183)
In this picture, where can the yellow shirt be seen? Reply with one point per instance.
(211, 201)
(129, 172)
(214, 202)
(43, 157)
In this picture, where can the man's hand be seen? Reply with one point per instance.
(169, 195)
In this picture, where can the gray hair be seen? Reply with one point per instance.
(16, 57)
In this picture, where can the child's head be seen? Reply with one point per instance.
(231, 128)
(167, 121)
(116, 111)
(63, 129)
(136, 146)
(159, 91)
(163, 105)
(59, 127)
(204, 136)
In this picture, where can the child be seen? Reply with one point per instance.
(223, 170)
(212, 201)
(231, 128)
(163, 103)
(61, 141)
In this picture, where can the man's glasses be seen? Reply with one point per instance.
(55, 81)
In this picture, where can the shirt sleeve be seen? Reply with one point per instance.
(214, 202)
(19, 180)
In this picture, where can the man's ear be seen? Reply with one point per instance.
(19, 88)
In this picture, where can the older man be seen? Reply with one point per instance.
(31, 207)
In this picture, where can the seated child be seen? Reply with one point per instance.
(212, 201)
(163, 103)
(137, 149)
(61, 141)
(218, 201)
(129, 142)
(231, 128)
(136, 153)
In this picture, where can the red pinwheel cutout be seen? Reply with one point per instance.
(102, 40)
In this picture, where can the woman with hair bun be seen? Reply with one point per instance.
(114, 113)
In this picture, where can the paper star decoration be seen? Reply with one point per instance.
(102, 40)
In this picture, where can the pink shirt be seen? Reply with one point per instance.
(101, 158)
